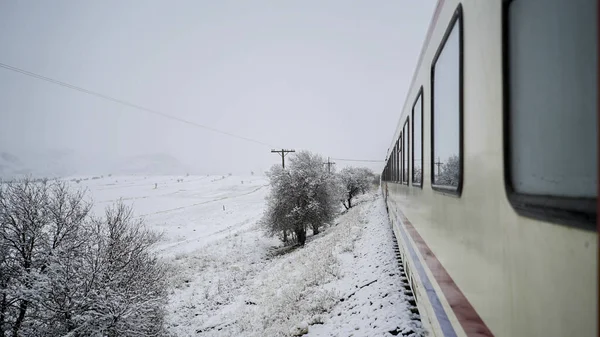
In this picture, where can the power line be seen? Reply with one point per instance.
(360, 160)
(122, 102)
(148, 110)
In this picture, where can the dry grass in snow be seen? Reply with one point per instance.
(343, 282)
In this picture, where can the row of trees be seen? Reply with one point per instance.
(306, 196)
(64, 272)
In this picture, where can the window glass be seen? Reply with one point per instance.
(417, 168)
(446, 83)
(398, 155)
(406, 153)
(552, 63)
(386, 170)
(393, 164)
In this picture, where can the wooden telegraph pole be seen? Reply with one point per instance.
(438, 164)
(282, 153)
(329, 163)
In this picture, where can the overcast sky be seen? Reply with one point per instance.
(328, 76)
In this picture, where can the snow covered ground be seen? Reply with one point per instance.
(230, 280)
(190, 213)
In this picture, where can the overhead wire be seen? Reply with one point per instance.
(360, 160)
(148, 110)
(126, 103)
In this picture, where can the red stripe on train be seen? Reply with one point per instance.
(468, 317)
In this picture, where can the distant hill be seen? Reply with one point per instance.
(67, 163)
(11, 165)
(150, 164)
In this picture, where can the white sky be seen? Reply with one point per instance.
(328, 76)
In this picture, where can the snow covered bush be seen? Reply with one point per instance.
(296, 291)
(354, 180)
(302, 196)
(65, 273)
(450, 174)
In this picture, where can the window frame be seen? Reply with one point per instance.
(576, 212)
(384, 172)
(389, 167)
(457, 19)
(419, 96)
(406, 139)
(387, 171)
(398, 154)
(393, 164)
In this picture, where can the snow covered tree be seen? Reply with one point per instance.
(354, 180)
(375, 179)
(450, 172)
(127, 291)
(63, 273)
(279, 203)
(418, 175)
(302, 196)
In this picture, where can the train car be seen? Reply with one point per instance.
(491, 178)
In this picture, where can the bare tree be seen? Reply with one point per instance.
(418, 175)
(450, 172)
(63, 273)
(128, 283)
(302, 196)
(354, 181)
(375, 179)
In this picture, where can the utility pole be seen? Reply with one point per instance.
(438, 165)
(282, 153)
(329, 163)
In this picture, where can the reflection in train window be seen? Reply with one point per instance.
(417, 142)
(397, 158)
(393, 164)
(405, 132)
(552, 103)
(386, 171)
(446, 81)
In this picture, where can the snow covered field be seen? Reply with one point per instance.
(189, 212)
(229, 279)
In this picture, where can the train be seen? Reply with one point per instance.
(491, 177)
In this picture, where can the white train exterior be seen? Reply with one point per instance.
(491, 178)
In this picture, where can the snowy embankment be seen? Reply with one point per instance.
(344, 282)
(229, 279)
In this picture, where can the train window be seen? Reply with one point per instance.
(446, 114)
(405, 132)
(417, 141)
(398, 155)
(389, 166)
(386, 171)
(551, 110)
(393, 164)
